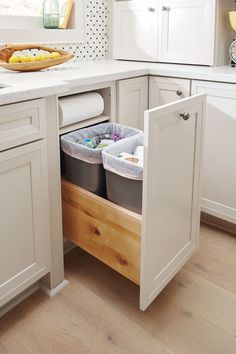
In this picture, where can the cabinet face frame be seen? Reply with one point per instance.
(32, 159)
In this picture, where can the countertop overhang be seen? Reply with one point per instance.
(59, 80)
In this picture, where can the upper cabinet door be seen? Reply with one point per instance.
(171, 192)
(187, 31)
(164, 90)
(135, 27)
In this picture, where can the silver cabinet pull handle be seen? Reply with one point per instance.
(151, 9)
(165, 8)
(185, 115)
(179, 93)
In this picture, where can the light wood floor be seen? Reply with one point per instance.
(98, 311)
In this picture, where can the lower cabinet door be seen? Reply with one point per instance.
(171, 192)
(24, 223)
(164, 90)
(132, 101)
(219, 166)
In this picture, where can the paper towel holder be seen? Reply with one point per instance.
(108, 92)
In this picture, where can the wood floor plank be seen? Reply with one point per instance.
(117, 327)
(217, 242)
(205, 298)
(177, 325)
(97, 313)
(215, 259)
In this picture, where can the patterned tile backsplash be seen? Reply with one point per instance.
(96, 32)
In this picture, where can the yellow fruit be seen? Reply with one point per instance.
(45, 56)
(38, 58)
(54, 55)
(14, 59)
(26, 59)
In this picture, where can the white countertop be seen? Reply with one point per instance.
(25, 86)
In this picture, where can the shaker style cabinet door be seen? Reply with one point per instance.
(132, 101)
(219, 163)
(135, 30)
(187, 31)
(24, 225)
(171, 192)
(163, 90)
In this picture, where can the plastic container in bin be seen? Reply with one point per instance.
(82, 165)
(124, 180)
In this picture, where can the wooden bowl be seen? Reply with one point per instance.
(8, 50)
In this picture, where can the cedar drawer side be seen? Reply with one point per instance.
(108, 232)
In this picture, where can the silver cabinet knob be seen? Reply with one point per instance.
(179, 93)
(165, 8)
(151, 9)
(185, 115)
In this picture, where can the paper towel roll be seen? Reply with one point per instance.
(73, 109)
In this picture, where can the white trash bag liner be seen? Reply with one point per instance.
(71, 147)
(121, 167)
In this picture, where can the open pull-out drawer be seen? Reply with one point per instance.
(148, 249)
(102, 228)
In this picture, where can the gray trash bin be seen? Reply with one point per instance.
(124, 180)
(83, 165)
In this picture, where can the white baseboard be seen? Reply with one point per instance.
(52, 292)
(68, 246)
(16, 301)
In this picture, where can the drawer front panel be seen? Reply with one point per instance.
(103, 229)
(171, 192)
(21, 123)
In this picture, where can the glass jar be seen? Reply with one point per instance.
(51, 14)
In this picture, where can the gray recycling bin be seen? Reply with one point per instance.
(82, 164)
(124, 180)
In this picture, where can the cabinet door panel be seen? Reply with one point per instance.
(132, 101)
(171, 192)
(24, 237)
(219, 168)
(187, 31)
(164, 90)
(135, 25)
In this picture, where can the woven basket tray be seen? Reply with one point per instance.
(8, 50)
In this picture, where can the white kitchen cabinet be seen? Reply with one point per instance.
(172, 31)
(219, 170)
(163, 90)
(148, 249)
(187, 31)
(24, 223)
(132, 101)
(135, 26)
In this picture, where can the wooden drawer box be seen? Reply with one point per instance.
(105, 230)
(21, 123)
(149, 249)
